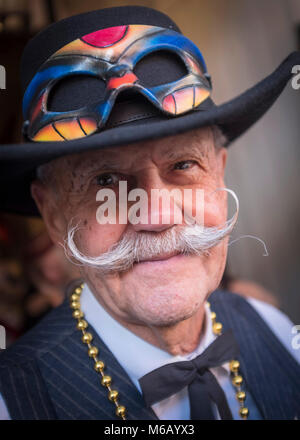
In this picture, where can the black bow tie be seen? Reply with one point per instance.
(202, 385)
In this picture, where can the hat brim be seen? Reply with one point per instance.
(18, 161)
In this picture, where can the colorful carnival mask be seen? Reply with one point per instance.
(111, 55)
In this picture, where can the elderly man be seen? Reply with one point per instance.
(120, 97)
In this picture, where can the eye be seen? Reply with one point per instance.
(184, 164)
(107, 179)
(169, 67)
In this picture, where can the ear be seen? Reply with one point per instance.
(222, 158)
(48, 207)
(223, 153)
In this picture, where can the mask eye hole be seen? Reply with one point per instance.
(160, 67)
(74, 92)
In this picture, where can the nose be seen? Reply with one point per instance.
(159, 210)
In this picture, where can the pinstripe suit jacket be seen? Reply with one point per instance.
(48, 375)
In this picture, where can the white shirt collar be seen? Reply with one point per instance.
(137, 356)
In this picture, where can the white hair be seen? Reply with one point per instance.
(220, 139)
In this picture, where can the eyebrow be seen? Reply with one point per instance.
(115, 161)
(200, 150)
(98, 162)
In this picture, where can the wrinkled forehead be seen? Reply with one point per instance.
(198, 141)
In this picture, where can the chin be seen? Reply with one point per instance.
(167, 305)
(173, 320)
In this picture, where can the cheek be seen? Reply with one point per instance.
(210, 203)
(215, 210)
(94, 239)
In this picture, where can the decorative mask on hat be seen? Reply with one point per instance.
(111, 55)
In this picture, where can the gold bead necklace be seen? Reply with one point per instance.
(87, 338)
(234, 365)
(106, 380)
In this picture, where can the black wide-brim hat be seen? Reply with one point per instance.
(133, 117)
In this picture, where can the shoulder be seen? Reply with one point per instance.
(279, 323)
(50, 332)
(20, 365)
(257, 316)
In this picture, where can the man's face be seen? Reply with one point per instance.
(155, 292)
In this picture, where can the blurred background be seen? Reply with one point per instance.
(242, 42)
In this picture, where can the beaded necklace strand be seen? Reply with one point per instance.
(99, 366)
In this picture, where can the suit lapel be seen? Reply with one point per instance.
(130, 396)
(271, 374)
(75, 387)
